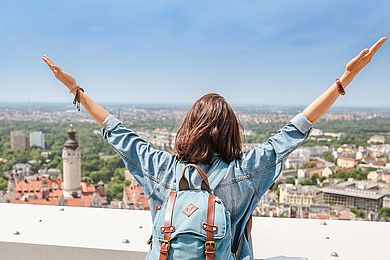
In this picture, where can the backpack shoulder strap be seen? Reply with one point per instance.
(178, 171)
(216, 174)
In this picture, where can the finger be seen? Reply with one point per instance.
(47, 60)
(361, 54)
(374, 48)
(56, 69)
(50, 64)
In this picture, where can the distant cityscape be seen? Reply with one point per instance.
(334, 175)
(53, 112)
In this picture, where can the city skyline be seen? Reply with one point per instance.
(172, 51)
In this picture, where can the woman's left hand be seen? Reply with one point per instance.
(361, 60)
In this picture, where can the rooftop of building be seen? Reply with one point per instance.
(54, 232)
(366, 194)
(362, 189)
(300, 188)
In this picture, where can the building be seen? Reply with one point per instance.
(37, 139)
(11, 189)
(22, 170)
(355, 194)
(319, 211)
(288, 174)
(46, 190)
(334, 135)
(294, 163)
(346, 162)
(298, 195)
(379, 150)
(386, 201)
(71, 165)
(18, 140)
(316, 132)
(377, 139)
(316, 150)
(133, 195)
(320, 171)
(379, 175)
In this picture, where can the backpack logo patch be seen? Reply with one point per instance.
(189, 210)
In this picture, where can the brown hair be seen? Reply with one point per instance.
(210, 126)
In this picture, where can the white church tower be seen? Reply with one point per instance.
(71, 166)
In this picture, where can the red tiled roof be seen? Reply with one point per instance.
(346, 159)
(85, 201)
(36, 202)
(346, 216)
(322, 216)
(35, 188)
(87, 187)
(135, 193)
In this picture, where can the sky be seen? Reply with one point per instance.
(251, 52)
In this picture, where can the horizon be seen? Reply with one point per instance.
(186, 105)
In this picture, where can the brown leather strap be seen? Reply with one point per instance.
(167, 229)
(183, 184)
(209, 247)
(340, 87)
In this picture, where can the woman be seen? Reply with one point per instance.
(211, 130)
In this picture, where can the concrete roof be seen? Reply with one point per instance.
(366, 194)
(98, 229)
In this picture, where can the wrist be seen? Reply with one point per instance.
(73, 88)
(346, 78)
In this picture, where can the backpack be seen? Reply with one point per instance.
(192, 223)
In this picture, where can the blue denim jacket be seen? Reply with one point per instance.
(246, 180)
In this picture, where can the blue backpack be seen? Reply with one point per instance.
(192, 223)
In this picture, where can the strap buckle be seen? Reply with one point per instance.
(165, 245)
(207, 246)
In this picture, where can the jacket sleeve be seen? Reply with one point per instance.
(263, 164)
(143, 161)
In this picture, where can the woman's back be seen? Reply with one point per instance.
(245, 179)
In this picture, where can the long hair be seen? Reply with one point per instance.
(210, 126)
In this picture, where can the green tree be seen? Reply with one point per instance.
(327, 155)
(359, 213)
(385, 213)
(3, 183)
(351, 173)
(308, 165)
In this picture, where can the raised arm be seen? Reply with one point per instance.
(97, 112)
(148, 165)
(322, 104)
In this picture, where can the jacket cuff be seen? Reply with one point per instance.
(301, 122)
(109, 123)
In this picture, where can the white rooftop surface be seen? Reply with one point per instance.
(103, 231)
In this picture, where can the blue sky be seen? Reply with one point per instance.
(251, 52)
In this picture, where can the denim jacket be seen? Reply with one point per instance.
(247, 179)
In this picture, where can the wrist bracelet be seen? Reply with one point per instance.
(76, 100)
(340, 87)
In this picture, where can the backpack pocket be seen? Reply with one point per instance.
(187, 240)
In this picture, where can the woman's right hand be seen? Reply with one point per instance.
(61, 75)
